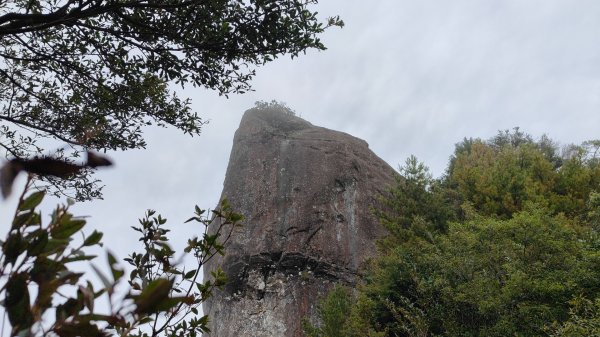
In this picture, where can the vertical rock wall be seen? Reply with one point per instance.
(306, 193)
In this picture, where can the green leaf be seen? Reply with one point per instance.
(93, 239)
(105, 281)
(133, 274)
(149, 301)
(71, 307)
(45, 292)
(189, 274)
(111, 258)
(80, 329)
(32, 201)
(146, 320)
(45, 270)
(171, 302)
(13, 247)
(38, 244)
(194, 218)
(67, 227)
(112, 320)
(55, 246)
(112, 262)
(88, 297)
(236, 217)
(67, 277)
(220, 278)
(27, 218)
(78, 258)
(203, 322)
(17, 302)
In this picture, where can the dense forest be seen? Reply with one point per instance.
(505, 243)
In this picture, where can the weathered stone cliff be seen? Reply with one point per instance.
(306, 193)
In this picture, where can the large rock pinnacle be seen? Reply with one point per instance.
(306, 194)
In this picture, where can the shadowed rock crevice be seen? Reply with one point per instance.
(251, 275)
(306, 193)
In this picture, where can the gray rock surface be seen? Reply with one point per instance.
(306, 194)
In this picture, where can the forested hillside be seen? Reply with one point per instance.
(504, 244)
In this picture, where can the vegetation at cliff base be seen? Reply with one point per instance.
(506, 243)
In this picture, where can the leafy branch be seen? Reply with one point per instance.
(162, 299)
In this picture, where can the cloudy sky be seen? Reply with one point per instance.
(409, 77)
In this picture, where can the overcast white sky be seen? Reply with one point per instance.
(409, 77)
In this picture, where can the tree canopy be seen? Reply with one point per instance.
(500, 175)
(91, 74)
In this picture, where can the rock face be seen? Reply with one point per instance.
(306, 193)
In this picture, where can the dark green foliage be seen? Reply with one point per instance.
(584, 320)
(93, 74)
(486, 277)
(163, 299)
(593, 207)
(333, 311)
(416, 195)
